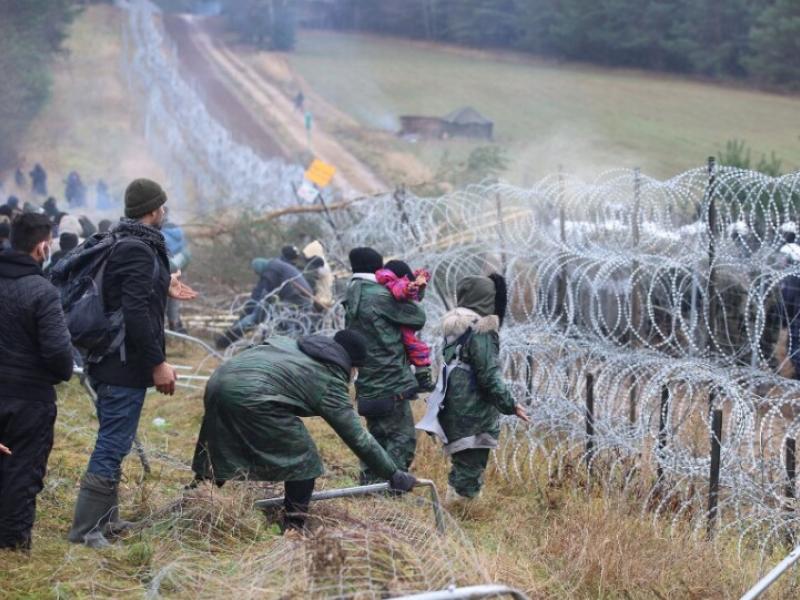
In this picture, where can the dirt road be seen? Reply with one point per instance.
(257, 111)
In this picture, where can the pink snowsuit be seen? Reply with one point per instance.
(403, 290)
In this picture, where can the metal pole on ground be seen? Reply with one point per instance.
(367, 490)
(473, 592)
(772, 576)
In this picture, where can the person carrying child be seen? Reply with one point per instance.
(406, 285)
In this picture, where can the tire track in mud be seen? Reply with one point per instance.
(263, 101)
(225, 106)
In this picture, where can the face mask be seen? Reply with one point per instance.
(48, 257)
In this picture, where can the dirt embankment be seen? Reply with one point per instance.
(256, 110)
(221, 102)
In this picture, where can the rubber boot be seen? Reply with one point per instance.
(425, 379)
(295, 505)
(228, 337)
(93, 510)
(115, 525)
(455, 501)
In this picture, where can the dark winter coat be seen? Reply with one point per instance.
(136, 279)
(371, 310)
(252, 404)
(35, 350)
(278, 274)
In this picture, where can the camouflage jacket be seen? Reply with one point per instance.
(371, 310)
(251, 403)
(476, 394)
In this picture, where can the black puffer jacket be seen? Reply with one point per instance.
(136, 279)
(35, 351)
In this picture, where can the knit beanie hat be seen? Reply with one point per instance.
(290, 253)
(143, 196)
(354, 344)
(365, 260)
(67, 241)
(400, 268)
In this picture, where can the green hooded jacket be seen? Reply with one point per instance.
(476, 394)
(252, 404)
(371, 310)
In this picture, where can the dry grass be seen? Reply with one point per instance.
(551, 538)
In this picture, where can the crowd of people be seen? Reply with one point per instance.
(254, 402)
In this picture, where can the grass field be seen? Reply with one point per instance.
(587, 119)
(549, 537)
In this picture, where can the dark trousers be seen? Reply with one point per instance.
(466, 473)
(296, 498)
(118, 411)
(26, 428)
(396, 434)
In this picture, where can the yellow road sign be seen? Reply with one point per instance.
(320, 173)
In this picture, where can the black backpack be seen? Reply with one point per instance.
(78, 276)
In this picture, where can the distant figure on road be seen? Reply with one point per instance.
(39, 180)
(104, 201)
(299, 100)
(75, 191)
(19, 178)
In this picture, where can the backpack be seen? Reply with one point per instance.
(78, 276)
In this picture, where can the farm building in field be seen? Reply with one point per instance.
(464, 122)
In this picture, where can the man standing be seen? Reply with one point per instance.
(385, 383)
(137, 280)
(35, 354)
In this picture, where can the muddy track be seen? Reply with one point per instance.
(223, 105)
(234, 82)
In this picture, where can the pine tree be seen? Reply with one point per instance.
(775, 44)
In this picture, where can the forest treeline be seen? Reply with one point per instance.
(756, 40)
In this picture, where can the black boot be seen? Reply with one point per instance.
(96, 503)
(297, 497)
(228, 337)
(115, 525)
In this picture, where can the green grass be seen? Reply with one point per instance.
(587, 119)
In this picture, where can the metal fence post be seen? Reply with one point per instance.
(713, 483)
(589, 420)
(662, 429)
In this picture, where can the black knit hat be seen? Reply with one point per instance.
(365, 260)
(290, 253)
(67, 241)
(400, 268)
(354, 344)
(143, 196)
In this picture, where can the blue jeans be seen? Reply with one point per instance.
(118, 411)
